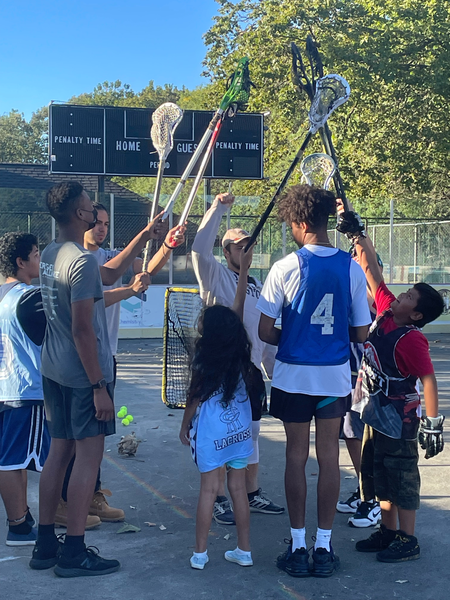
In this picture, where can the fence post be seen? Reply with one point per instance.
(171, 254)
(53, 228)
(111, 221)
(283, 232)
(29, 223)
(391, 243)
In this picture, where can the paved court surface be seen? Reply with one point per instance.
(161, 485)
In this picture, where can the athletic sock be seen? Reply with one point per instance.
(298, 538)
(73, 545)
(23, 528)
(44, 530)
(323, 538)
(201, 555)
(220, 499)
(251, 495)
(240, 552)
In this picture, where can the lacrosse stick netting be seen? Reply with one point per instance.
(331, 92)
(318, 169)
(166, 119)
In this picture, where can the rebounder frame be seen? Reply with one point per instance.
(169, 329)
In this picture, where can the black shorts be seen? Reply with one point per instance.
(301, 408)
(389, 470)
(70, 412)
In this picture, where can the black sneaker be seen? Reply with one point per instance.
(222, 512)
(87, 563)
(404, 547)
(261, 504)
(379, 540)
(351, 504)
(46, 557)
(295, 564)
(324, 562)
(368, 514)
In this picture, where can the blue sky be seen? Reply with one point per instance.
(54, 50)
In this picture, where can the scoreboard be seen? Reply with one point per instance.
(102, 140)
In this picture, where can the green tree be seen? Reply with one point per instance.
(392, 137)
(22, 140)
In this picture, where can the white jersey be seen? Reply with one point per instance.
(280, 289)
(113, 311)
(218, 284)
(222, 431)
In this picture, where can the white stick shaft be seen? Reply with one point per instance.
(149, 244)
(194, 159)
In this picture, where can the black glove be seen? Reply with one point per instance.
(351, 224)
(431, 436)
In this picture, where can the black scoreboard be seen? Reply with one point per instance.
(98, 140)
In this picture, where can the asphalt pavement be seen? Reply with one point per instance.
(158, 490)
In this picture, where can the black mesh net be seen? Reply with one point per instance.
(181, 312)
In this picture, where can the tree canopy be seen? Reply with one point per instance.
(392, 137)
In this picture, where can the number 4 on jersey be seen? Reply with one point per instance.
(323, 315)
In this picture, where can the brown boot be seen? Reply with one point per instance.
(61, 517)
(100, 508)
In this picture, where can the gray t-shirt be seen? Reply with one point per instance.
(102, 256)
(69, 273)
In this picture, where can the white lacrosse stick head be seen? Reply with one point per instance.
(331, 92)
(318, 169)
(165, 120)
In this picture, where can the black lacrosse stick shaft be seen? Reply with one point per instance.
(316, 65)
(265, 216)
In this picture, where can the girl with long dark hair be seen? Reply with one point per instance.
(217, 418)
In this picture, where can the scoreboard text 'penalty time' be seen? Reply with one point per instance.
(99, 140)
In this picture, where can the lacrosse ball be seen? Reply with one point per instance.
(130, 418)
(125, 422)
(122, 413)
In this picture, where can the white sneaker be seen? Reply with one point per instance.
(245, 560)
(368, 514)
(351, 504)
(198, 562)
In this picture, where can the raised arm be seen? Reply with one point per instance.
(245, 260)
(173, 239)
(116, 267)
(203, 260)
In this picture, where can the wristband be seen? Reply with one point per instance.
(167, 245)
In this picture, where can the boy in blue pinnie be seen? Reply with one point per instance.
(217, 420)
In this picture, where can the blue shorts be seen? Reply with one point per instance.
(237, 463)
(24, 438)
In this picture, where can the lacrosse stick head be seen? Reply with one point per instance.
(318, 169)
(331, 92)
(299, 76)
(165, 120)
(238, 91)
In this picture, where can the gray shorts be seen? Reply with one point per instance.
(70, 412)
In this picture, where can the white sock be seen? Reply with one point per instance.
(243, 552)
(298, 538)
(201, 554)
(323, 538)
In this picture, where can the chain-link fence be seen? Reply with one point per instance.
(414, 251)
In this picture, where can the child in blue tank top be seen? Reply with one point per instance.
(217, 420)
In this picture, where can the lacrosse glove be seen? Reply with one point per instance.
(351, 224)
(431, 436)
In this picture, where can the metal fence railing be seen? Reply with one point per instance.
(411, 252)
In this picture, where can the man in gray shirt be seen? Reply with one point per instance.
(77, 371)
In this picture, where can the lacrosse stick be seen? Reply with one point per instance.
(303, 84)
(237, 93)
(318, 169)
(331, 92)
(165, 120)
